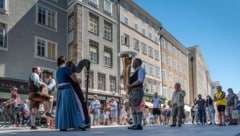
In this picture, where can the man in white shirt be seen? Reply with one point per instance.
(156, 101)
(113, 111)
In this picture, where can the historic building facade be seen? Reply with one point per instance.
(31, 34)
(139, 33)
(92, 33)
(174, 58)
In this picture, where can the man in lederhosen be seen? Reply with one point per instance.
(135, 91)
(36, 96)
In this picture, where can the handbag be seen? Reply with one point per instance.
(235, 114)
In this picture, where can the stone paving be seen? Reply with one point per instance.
(116, 130)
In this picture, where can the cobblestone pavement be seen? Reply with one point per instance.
(152, 130)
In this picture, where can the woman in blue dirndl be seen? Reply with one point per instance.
(69, 111)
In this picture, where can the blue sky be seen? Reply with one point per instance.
(214, 25)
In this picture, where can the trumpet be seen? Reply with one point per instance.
(126, 57)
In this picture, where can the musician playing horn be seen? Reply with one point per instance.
(135, 91)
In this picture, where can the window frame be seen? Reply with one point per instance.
(70, 21)
(108, 30)
(3, 28)
(46, 16)
(96, 46)
(101, 75)
(112, 78)
(125, 39)
(108, 50)
(46, 47)
(94, 3)
(96, 18)
(109, 11)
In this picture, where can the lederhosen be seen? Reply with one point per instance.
(135, 93)
(35, 95)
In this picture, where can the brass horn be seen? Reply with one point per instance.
(126, 57)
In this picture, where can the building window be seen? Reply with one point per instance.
(107, 30)
(170, 62)
(46, 17)
(144, 48)
(135, 14)
(156, 54)
(70, 22)
(101, 81)
(136, 44)
(175, 64)
(151, 69)
(3, 37)
(93, 24)
(156, 39)
(2, 4)
(71, 52)
(150, 51)
(150, 36)
(108, 6)
(113, 84)
(93, 51)
(162, 43)
(170, 77)
(164, 75)
(126, 20)
(107, 57)
(136, 27)
(164, 92)
(90, 80)
(126, 7)
(46, 49)
(163, 58)
(169, 47)
(143, 31)
(69, 1)
(157, 72)
(93, 3)
(125, 39)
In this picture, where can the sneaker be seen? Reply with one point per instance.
(138, 127)
(49, 115)
(173, 125)
(131, 127)
(33, 128)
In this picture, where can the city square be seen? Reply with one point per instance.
(107, 64)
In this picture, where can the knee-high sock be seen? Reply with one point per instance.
(50, 105)
(134, 114)
(33, 119)
(139, 118)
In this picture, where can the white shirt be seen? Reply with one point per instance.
(156, 102)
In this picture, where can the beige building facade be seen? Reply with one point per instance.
(93, 34)
(174, 58)
(200, 81)
(139, 33)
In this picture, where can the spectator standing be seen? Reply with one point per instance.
(177, 105)
(201, 109)
(193, 114)
(113, 112)
(232, 99)
(219, 98)
(156, 101)
(210, 110)
(95, 110)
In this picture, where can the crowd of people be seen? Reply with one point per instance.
(71, 110)
(222, 108)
